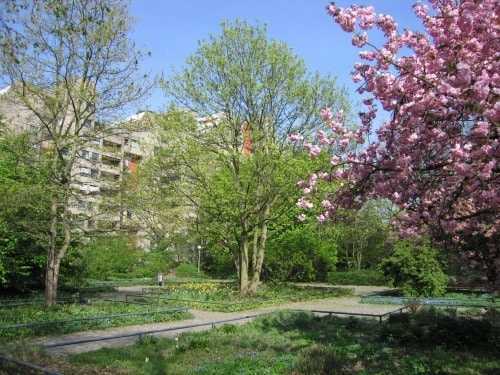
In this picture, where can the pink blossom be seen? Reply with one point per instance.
(304, 203)
(481, 129)
(436, 156)
(359, 40)
(295, 137)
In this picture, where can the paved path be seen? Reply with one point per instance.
(343, 304)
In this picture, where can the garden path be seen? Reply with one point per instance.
(340, 304)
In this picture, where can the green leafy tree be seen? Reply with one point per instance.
(300, 254)
(364, 236)
(110, 256)
(68, 63)
(24, 208)
(253, 93)
(415, 268)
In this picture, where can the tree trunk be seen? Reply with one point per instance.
(51, 281)
(244, 265)
(55, 253)
(259, 251)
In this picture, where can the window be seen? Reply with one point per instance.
(94, 173)
(85, 154)
(129, 214)
(84, 172)
(95, 156)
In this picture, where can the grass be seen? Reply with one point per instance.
(40, 313)
(226, 298)
(430, 342)
(361, 277)
(210, 296)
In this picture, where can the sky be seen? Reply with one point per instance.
(171, 30)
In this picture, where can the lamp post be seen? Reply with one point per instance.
(199, 257)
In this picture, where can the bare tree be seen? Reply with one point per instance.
(71, 64)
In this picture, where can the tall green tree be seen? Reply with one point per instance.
(364, 236)
(253, 93)
(24, 208)
(69, 63)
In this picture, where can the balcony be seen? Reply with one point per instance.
(111, 149)
(133, 149)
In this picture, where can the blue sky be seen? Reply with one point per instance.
(171, 29)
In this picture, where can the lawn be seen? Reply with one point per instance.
(225, 297)
(430, 342)
(65, 312)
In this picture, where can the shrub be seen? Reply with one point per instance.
(433, 327)
(322, 360)
(415, 269)
(187, 270)
(152, 263)
(107, 257)
(362, 277)
(300, 254)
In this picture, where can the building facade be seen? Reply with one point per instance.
(100, 169)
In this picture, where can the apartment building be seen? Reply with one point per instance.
(99, 175)
(99, 170)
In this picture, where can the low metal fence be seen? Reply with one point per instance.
(380, 317)
(90, 319)
(438, 302)
(13, 303)
(155, 331)
(9, 365)
(159, 297)
(212, 324)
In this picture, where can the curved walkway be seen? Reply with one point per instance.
(340, 304)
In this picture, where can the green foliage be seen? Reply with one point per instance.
(437, 328)
(41, 313)
(225, 297)
(217, 260)
(73, 268)
(415, 269)
(363, 236)
(153, 262)
(300, 254)
(111, 256)
(187, 270)
(239, 171)
(108, 258)
(302, 344)
(24, 210)
(363, 277)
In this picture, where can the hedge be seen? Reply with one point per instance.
(363, 277)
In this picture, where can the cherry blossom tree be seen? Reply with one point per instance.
(436, 158)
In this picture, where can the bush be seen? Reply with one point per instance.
(152, 263)
(415, 269)
(362, 277)
(107, 257)
(300, 254)
(433, 327)
(187, 270)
